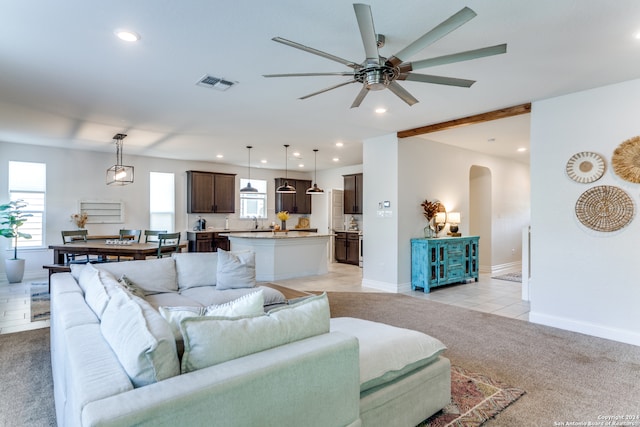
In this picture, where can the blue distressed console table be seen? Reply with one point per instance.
(442, 261)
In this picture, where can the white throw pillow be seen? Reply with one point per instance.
(95, 292)
(387, 352)
(140, 338)
(236, 270)
(212, 340)
(196, 269)
(247, 305)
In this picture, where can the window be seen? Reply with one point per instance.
(253, 204)
(28, 181)
(162, 207)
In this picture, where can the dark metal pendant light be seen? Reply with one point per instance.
(286, 188)
(249, 188)
(119, 174)
(315, 189)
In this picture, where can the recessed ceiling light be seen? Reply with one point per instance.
(296, 154)
(335, 159)
(637, 35)
(301, 165)
(263, 161)
(521, 150)
(126, 35)
(381, 110)
(219, 156)
(339, 144)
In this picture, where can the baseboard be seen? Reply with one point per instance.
(382, 286)
(506, 268)
(587, 328)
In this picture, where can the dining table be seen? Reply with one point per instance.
(137, 251)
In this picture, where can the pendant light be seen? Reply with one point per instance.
(249, 188)
(286, 188)
(119, 174)
(315, 189)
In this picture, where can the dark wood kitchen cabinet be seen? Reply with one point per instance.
(211, 192)
(298, 203)
(347, 247)
(353, 193)
(207, 241)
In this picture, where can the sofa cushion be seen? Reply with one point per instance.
(196, 269)
(141, 339)
(152, 275)
(247, 305)
(212, 340)
(236, 270)
(387, 352)
(95, 293)
(211, 295)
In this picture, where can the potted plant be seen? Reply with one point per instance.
(12, 218)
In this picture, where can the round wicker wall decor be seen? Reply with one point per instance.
(626, 160)
(585, 167)
(605, 208)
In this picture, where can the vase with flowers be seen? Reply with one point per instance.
(283, 216)
(80, 219)
(429, 210)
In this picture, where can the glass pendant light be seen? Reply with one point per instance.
(315, 189)
(119, 174)
(286, 188)
(249, 188)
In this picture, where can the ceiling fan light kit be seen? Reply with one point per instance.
(378, 73)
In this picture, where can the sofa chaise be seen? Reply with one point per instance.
(119, 358)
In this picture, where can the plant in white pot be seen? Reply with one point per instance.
(12, 218)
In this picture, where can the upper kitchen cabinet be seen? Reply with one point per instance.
(353, 193)
(298, 203)
(211, 192)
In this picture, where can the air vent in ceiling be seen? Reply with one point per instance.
(215, 82)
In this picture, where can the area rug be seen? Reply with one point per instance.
(475, 398)
(510, 277)
(39, 301)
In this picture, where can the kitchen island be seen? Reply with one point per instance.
(284, 255)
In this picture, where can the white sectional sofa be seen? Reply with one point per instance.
(115, 358)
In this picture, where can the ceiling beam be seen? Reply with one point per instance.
(470, 120)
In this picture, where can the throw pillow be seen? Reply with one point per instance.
(247, 305)
(212, 340)
(131, 287)
(153, 275)
(196, 269)
(140, 338)
(95, 292)
(236, 270)
(387, 352)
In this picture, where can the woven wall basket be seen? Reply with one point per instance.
(605, 208)
(626, 160)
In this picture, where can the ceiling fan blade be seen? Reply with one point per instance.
(350, 64)
(402, 93)
(343, 73)
(363, 92)
(367, 32)
(327, 89)
(456, 20)
(439, 80)
(459, 57)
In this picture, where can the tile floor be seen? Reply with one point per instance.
(488, 295)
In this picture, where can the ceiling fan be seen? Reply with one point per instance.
(378, 73)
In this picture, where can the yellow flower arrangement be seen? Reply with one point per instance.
(283, 215)
(80, 219)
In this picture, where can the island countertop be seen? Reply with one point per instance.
(291, 234)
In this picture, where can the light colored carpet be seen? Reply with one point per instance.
(510, 277)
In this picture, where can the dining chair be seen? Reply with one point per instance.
(166, 240)
(130, 234)
(152, 235)
(70, 236)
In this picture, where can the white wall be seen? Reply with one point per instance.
(410, 170)
(74, 175)
(582, 280)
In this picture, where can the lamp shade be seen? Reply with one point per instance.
(286, 188)
(248, 188)
(453, 217)
(119, 174)
(441, 218)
